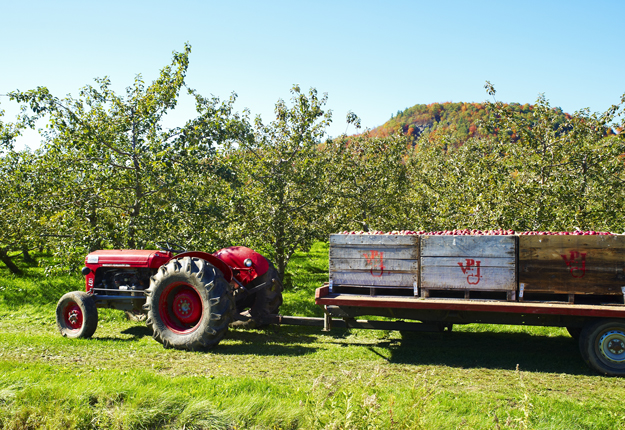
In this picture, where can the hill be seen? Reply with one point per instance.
(460, 120)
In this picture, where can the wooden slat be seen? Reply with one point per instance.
(387, 264)
(396, 279)
(468, 246)
(453, 278)
(572, 264)
(458, 261)
(374, 239)
(558, 281)
(597, 242)
(377, 287)
(604, 248)
(359, 251)
(608, 256)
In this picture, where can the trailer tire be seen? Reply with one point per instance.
(189, 305)
(77, 315)
(263, 303)
(602, 345)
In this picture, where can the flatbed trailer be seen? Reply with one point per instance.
(460, 311)
(572, 282)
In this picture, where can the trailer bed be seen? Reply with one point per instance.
(324, 298)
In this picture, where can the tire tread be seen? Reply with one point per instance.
(200, 275)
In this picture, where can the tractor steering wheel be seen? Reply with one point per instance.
(174, 247)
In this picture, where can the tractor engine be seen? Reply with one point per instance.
(112, 276)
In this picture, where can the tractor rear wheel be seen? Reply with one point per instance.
(189, 304)
(255, 310)
(77, 315)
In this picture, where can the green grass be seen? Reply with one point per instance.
(478, 376)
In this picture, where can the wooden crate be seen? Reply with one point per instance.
(468, 263)
(585, 265)
(379, 264)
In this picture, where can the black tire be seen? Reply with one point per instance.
(261, 304)
(575, 332)
(602, 345)
(188, 304)
(77, 315)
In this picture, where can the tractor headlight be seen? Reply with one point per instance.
(248, 262)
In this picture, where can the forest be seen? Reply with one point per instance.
(108, 174)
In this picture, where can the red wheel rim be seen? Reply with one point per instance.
(180, 307)
(72, 314)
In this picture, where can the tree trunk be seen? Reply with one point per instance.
(281, 265)
(280, 258)
(4, 257)
(27, 257)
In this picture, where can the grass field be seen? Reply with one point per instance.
(478, 376)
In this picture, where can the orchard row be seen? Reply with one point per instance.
(499, 232)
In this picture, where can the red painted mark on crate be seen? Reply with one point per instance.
(375, 259)
(472, 267)
(576, 263)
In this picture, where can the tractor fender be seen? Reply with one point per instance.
(223, 267)
(235, 257)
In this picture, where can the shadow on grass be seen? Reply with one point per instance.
(271, 334)
(494, 350)
(270, 341)
(267, 350)
(558, 354)
(138, 331)
(534, 353)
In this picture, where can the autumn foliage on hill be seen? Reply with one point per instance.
(460, 121)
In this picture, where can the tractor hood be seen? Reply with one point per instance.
(127, 258)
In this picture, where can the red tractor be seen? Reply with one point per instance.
(189, 299)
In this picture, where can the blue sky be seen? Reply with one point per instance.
(372, 58)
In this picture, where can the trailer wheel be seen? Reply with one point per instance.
(188, 304)
(602, 345)
(254, 311)
(77, 315)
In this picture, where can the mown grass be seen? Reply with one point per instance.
(478, 376)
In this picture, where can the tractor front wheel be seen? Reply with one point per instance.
(77, 315)
(188, 304)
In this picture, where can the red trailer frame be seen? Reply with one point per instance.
(600, 329)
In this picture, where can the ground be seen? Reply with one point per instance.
(478, 376)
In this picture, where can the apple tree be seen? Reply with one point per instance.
(279, 198)
(125, 179)
(549, 172)
(369, 182)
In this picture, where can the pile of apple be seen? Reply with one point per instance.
(498, 232)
